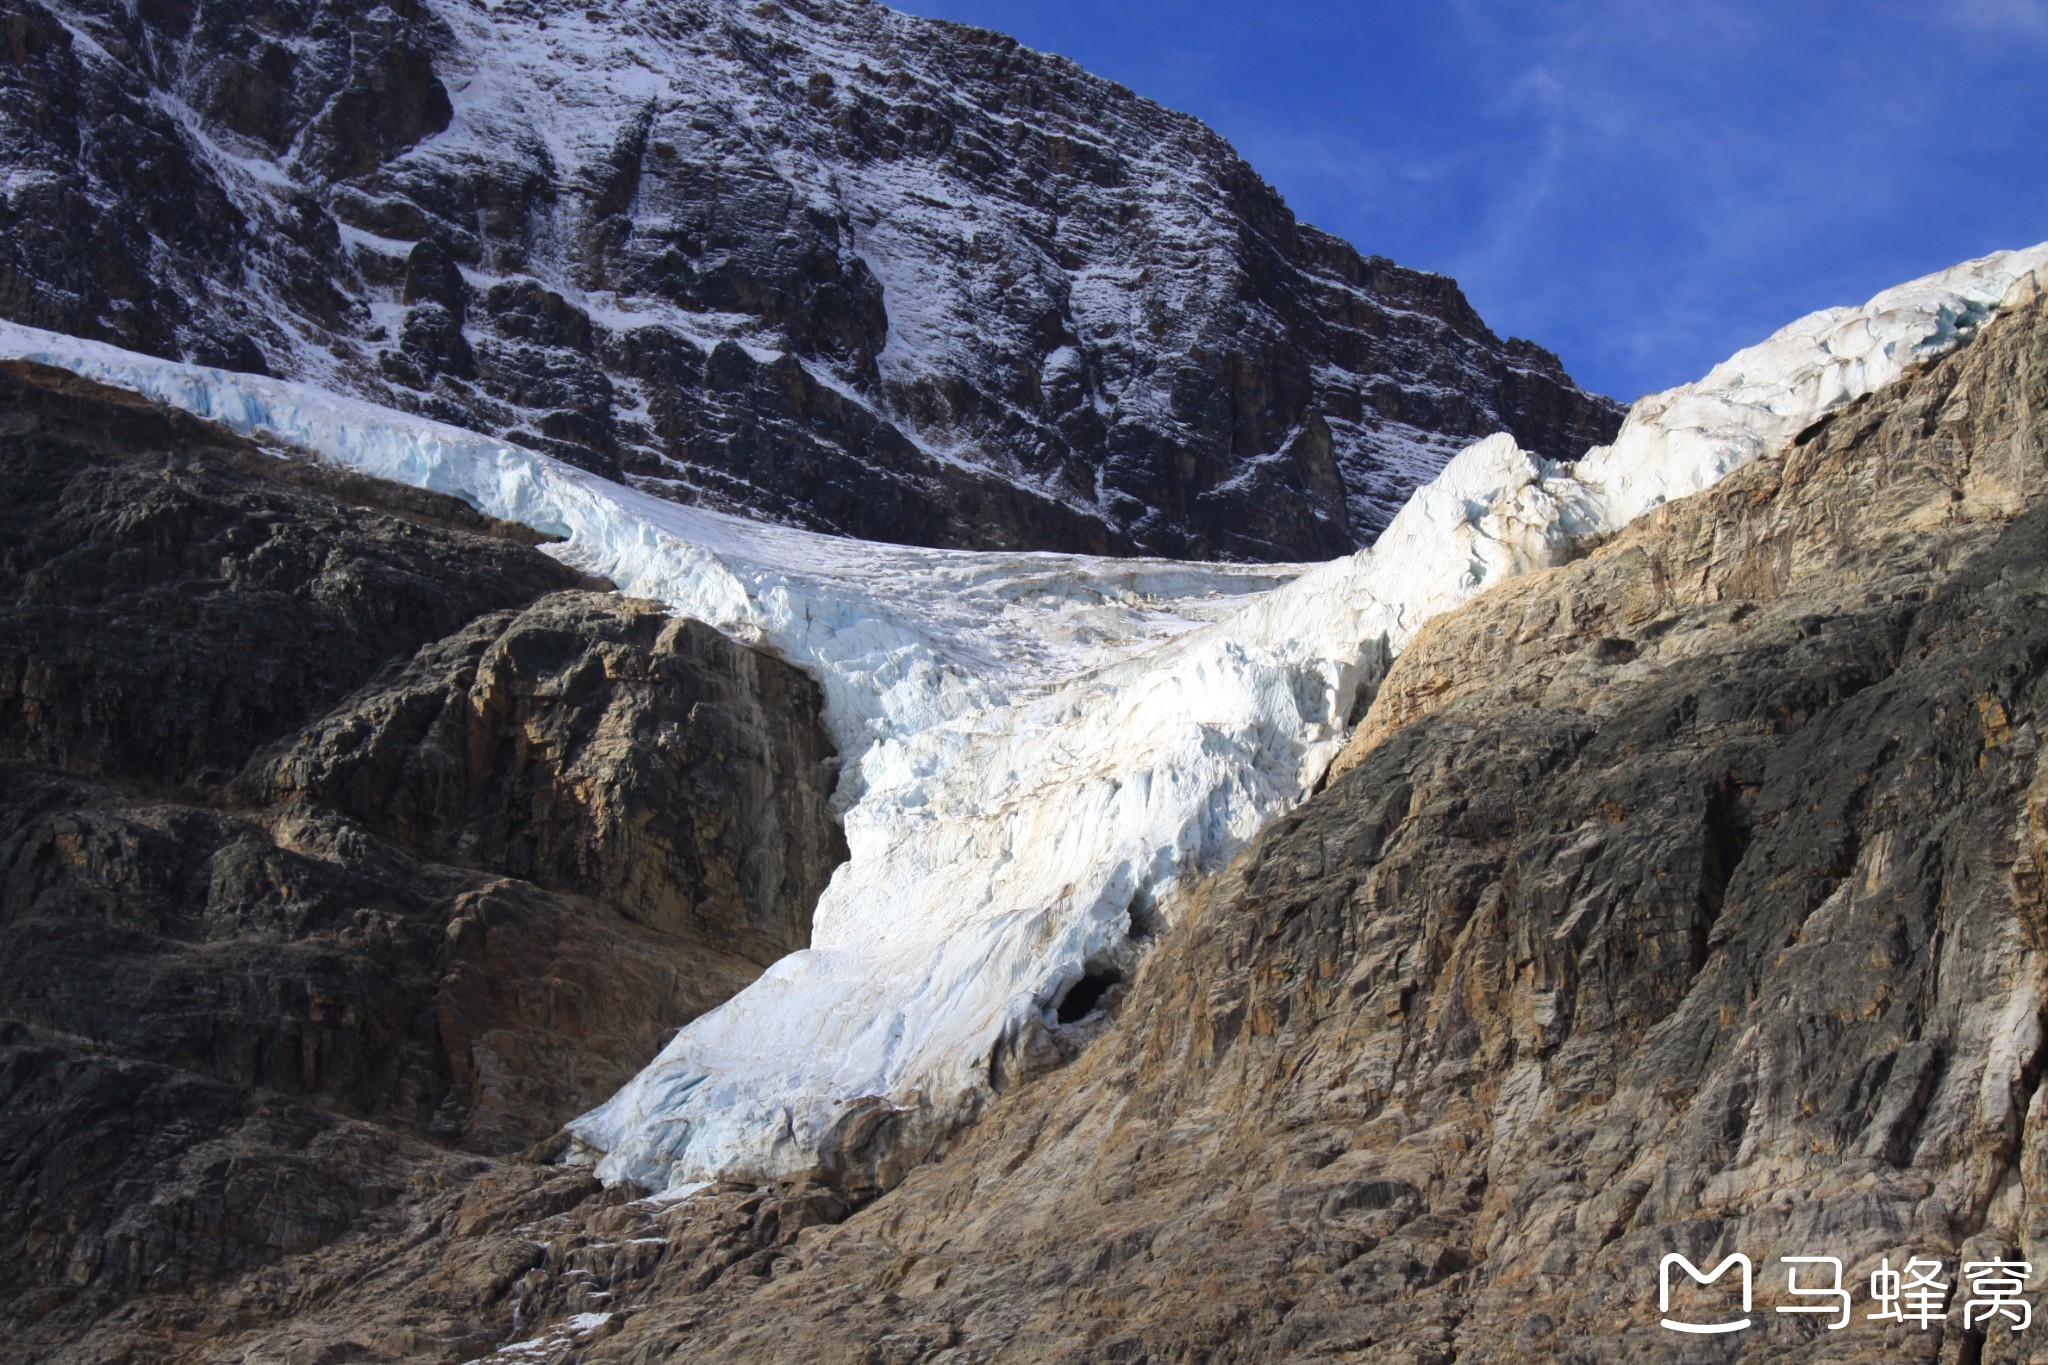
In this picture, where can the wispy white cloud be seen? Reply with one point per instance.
(2007, 19)
(1677, 167)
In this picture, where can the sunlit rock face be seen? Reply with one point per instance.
(822, 263)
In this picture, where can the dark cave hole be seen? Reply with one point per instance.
(1084, 995)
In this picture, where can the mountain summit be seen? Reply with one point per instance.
(820, 263)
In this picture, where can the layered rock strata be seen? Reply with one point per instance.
(344, 836)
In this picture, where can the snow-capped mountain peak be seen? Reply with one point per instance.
(822, 264)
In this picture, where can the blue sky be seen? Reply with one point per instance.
(1642, 187)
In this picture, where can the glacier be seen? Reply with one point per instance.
(1040, 751)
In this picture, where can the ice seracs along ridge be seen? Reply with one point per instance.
(1041, 747)
(1011, 850)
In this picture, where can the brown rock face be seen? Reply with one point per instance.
(594, 745)
(342, 834)
(1687, 898)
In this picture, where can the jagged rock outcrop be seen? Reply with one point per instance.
(817, 261)
(1683, 898)
(343, 835)
(597, 746)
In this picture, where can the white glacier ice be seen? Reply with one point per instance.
(1040, 747)
(1683, 439)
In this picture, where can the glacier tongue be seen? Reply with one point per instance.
(1039, 746)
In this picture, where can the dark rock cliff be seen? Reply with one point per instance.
(817, 262)
(1684, 898)
(342, 834)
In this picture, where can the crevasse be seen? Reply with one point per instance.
(1040, 748)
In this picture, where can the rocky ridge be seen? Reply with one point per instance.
(817, 262)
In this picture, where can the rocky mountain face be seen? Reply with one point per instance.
(1687, 897)
(816, 262)
(344, 836)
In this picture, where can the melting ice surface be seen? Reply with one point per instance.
(1038, 746)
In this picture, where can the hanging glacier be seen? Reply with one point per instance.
(1040, 749)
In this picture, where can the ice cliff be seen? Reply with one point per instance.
(1040, 749)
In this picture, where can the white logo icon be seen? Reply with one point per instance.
(1664, 1291)
(1913, 1295)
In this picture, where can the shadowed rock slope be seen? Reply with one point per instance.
(817, 262)
(343, 836)
(1687, 897)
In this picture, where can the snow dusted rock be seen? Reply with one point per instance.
(819, 263)
(1042, 750)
